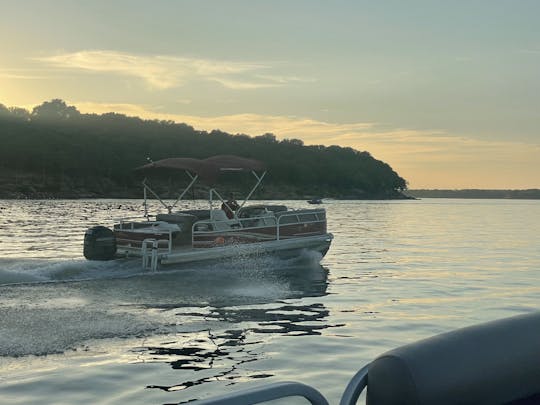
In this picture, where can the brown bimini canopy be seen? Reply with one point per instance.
(231, 162)
(207, 169)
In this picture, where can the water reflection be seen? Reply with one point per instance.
(143, 305)
(211, 324)
(219, 353)
(222, 354)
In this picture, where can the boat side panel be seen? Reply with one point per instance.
(264, 234)
(135, 239)
(239, 236)
(288, 248)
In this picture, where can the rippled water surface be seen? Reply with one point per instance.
(73, 331)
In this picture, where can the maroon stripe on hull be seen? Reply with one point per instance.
(298, 230)
(135, 239)
(216, 239)
(243, 236)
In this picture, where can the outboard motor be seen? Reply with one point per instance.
(99, 243)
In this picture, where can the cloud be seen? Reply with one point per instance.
(19, 74)
(242, 85)
(120, 108)
(285, 79)
(163, 72)
(252, 124)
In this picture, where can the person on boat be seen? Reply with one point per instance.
(230, 206)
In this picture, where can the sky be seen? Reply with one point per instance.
(445, 92)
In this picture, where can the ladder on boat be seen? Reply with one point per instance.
(150, 253)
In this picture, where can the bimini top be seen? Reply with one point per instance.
(206, 168)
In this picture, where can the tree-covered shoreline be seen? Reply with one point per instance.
(54, 151)
(529, 194)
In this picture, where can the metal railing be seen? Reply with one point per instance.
(355, 387)
(130, 226)
(262, 221)
(267, 393)
(150, 253)
(279, 390)
(286, 389)
(165, 241)
(297, 214)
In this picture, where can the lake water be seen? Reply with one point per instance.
(73, 331)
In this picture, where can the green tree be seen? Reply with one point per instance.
(99, 152)
(55, 109)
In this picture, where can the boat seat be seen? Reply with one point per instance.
(222, 222)
(492, 363)
(200, 214)
(218, 215)
(276, 208)
(252, 211)
(186, 220)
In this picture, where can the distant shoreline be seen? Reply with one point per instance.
(37, 186)
(92, 196)
(532, 194)
(32, 188)
(528, 194)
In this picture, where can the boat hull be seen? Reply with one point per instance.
(284, 249)
(287, 248)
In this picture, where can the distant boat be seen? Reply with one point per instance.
(315, 201)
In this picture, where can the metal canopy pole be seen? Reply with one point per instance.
(144, 203)
(169, 207)
(147, 187)
(259, 180)
(193, 180)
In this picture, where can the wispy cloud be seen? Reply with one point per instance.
(163, 72)
(236, 84)
(285, 79)
(435, 159)
(247, 123)
(19, 74)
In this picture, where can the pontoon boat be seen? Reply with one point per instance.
(219, 232)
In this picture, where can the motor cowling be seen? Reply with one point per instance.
(99, 243)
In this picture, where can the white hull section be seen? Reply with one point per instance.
(286, 248)
(283, 248)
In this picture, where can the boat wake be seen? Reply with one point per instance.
(33, 271)
(29, 271)
(54, 307)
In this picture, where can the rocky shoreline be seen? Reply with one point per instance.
(37, 187)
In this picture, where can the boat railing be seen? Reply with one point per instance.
(271, 392)
(306, 216)
(132, 223)
(213, 225)
(165, 240)
(252, 223)
(150, 252)
(261, 221)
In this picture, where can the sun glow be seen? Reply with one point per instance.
(432, 159)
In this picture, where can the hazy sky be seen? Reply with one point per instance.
(446, 92)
